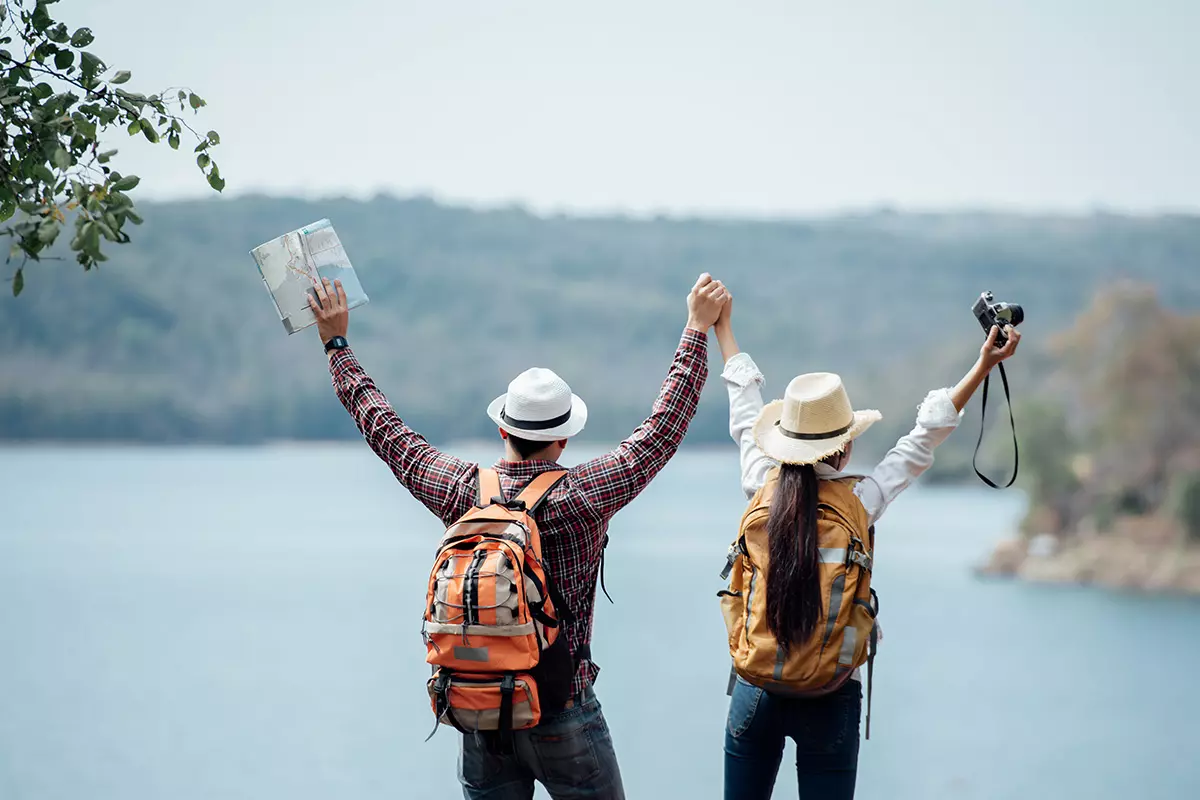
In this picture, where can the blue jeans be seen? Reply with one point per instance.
(570, 753)
(825, 730)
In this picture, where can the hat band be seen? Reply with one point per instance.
(814, 436)
(536, 425)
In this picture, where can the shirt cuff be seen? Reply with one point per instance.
(694, 340)
(343, 362)
(937, 411)
(740, 370)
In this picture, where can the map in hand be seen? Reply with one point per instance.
(293, 264)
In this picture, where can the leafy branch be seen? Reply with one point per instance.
(57, 99)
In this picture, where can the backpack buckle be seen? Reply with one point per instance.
(730, 558)
(512, 505)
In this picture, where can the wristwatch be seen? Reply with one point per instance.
(336, 343)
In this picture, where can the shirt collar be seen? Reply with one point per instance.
(828, 473)
(525, 469)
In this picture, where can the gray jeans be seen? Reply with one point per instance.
(570, 753)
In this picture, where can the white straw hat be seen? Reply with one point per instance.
(540, 407)
(813, 421)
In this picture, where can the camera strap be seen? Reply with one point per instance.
(983, 427)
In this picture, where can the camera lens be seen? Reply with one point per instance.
(1017, 313)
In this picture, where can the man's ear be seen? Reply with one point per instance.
(563, 443)
(503, 433)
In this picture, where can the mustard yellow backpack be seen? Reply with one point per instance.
(845, 639)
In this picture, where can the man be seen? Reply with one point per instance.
(570, 752)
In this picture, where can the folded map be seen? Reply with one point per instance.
(293, 264)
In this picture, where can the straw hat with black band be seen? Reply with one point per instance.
(813, 421)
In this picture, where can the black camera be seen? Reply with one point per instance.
(990, 313)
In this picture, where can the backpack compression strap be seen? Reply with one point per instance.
(538, 489)
(489, 487)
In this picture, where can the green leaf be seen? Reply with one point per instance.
(202, 160)
(126, 183)
(18, 281)
(64, 59)
(195, 101)
(213, 138)
(149, 132)
(40, 19)
(182, 94)
(121, 77)
(173, 140)
(215, 180)
(82, 37)
(133, 217)
(106, 156)
(44, 174)
(90, 237)
(134, 127)
(42, 91)
(199, 148)
(89, 64)
(62, 159)
(7, 209)
(48, 231)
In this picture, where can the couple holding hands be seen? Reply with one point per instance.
(798, 631)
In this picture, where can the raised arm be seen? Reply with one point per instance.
(744, 383)
(611, 481)
(442, 483)
(937, 418)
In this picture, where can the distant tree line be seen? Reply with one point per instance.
(176, 339)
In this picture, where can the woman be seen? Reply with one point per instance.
(797, 443)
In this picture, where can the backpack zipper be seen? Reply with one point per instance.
(472, 588)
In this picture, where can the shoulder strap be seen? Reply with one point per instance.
(536, 491)
(489, 487)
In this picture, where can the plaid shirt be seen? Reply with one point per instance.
(574, 519)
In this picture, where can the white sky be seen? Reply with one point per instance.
(787, 107)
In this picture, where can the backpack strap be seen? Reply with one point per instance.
(538, 489)
(489, 487)
(872, 647)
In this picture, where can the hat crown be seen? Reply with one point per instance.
(536, 395)
(816, 403)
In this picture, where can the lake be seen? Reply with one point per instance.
(244, 623)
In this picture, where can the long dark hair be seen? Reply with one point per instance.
(793, 585)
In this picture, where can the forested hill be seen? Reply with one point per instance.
(176, 339)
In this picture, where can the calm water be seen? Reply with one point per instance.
(227, 623)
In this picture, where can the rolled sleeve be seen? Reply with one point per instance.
(937, 411)
(741, 371)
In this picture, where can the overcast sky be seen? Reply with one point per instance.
(788, 107)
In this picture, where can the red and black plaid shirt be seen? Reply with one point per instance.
(574, 519)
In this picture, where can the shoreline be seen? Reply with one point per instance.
(1142, 554)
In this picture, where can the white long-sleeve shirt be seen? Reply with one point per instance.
(911, 456)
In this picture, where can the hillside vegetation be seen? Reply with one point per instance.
(176, 340)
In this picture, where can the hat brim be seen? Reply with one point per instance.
(568, 429)
(786, 450)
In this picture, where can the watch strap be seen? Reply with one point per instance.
(336, 343)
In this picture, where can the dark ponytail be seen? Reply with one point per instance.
(793, 585)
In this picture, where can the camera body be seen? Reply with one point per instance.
(990, 313)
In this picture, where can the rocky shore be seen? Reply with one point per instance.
(1145, 554)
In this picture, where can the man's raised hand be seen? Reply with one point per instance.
(329, 307)
(705, 302)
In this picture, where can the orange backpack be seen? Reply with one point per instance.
(492, 622)
(846, 636)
